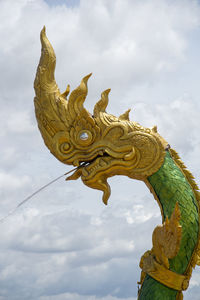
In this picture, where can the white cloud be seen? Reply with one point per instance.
(63, 258)
(177, 121)
(16, 123)
(64, 244)
(9, 181)
(68, 296)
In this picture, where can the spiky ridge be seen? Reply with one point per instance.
(191, 180)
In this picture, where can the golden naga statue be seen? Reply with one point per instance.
(101, 146)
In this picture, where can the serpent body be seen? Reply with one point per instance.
(171, 185)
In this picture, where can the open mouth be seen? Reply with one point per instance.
(87, 168)
(91, 166)
(89, 162)
(102, 160)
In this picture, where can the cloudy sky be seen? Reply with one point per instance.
(64, 244)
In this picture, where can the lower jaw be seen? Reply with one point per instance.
(110, 169)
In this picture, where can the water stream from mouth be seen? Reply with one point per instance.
(39, 190)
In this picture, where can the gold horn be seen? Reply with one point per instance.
(54, 113)
(77, 98)
(44, 81)
(50, 105)
(125, 116)
(102, 103)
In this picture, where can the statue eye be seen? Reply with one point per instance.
(83, 136)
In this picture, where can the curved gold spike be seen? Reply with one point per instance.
(50, 107)
(125, 116)
(77, 98)
(45, 82)
(154, 129)
(101, 105)
(66, 93)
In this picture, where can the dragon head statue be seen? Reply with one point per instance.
(100, 145)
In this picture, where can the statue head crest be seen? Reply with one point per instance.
(110, 145)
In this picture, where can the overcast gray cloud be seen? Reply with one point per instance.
(64, 244)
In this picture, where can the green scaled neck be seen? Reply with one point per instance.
(169, 185)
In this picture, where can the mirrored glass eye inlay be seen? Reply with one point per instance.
(84, 136)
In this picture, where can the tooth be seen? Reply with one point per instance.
(85, 172)
(102, 163)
